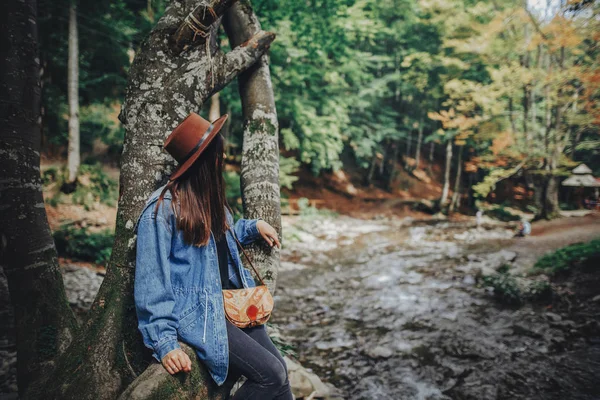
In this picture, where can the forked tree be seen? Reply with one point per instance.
(177, 67)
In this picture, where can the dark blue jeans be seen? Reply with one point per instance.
(253, 355)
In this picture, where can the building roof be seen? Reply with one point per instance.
(581, 180)
(582, 169)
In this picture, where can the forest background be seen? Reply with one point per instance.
(435, 100)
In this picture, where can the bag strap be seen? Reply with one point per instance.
(247, 258)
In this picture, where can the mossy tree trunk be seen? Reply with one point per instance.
(167, 80)
(45, 325)
(260, 150)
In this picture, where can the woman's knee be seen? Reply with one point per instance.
(277, 374)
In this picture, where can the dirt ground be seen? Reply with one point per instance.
(547, 236)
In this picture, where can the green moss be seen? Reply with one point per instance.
(80, 244)
(47, 342)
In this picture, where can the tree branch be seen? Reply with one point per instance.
(245, 55)
(225, 67)
(195, 27)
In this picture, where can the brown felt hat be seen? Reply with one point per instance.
(189, 139)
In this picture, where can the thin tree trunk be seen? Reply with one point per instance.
(393, 168)
(226, 132)
(419, 142)
(165, 84)
(456, 195)
(511, 116)
(446, 188)
(73, 90)
(431, 149)
(260, 152)
(44, 322)
(408, 142)
(215, 107)
(383, 159)
(371, 169)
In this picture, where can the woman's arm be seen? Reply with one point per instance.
(153, 294)
(248, 230)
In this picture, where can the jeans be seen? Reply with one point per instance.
(253, 355)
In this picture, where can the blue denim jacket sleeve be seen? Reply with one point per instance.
(154, 298)
(246, 230)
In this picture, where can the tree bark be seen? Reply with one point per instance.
(393, 167)
(446, 188)
(215, 108)
(260, 151)
(45, 324)
(164, 86)
(546, 196)
(419, 142)
(371, 173)
(456, 194)
(73, 161)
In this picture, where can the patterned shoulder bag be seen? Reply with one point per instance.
(248, 307)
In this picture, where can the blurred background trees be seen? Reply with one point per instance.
(486, 90)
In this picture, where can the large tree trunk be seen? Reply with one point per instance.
(546, 196)
(73, 159)
(45, 325)
(260, 151)
(446, 188)
(167, 80)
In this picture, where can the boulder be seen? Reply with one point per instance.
(304, 383)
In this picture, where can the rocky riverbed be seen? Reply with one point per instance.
(397, 310)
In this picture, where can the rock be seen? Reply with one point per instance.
(469, 280)
(473, 257)
(380, 352)
(305, 383)
(596, 298)
(553, 316)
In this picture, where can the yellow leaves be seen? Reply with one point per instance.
(451, 120)
(501, 142)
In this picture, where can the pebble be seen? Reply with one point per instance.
(379, 352)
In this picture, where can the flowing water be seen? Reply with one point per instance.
(387, 310)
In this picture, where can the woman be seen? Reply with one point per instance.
(186, 254)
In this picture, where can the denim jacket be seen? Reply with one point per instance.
(177, 286)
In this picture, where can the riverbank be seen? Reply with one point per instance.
(397, 309)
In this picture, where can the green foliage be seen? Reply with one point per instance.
(98, 121)
(109, 33)
(308, 211)
(284, 346)
(78, 243)
(288, 166)
(93, 186)
(233, 192)
(569, 257)
(506, 289)
(500, 213)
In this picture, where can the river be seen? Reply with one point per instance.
(397, 310)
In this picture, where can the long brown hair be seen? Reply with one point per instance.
(198, 197)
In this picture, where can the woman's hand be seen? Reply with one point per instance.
(268, 233)
(177, 360)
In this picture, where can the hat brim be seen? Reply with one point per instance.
(181, 168)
